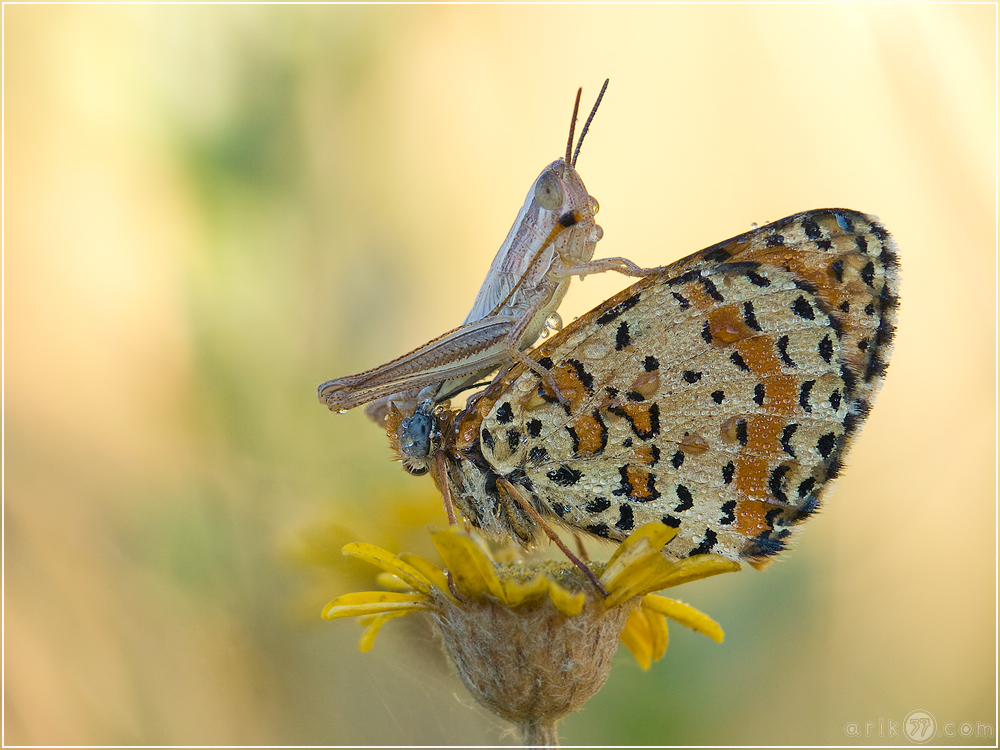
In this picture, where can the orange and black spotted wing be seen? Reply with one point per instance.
(717, 396)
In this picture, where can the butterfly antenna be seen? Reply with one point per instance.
(572, 124)
(586, 125)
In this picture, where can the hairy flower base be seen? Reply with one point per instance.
(531, 663)
(534, 642)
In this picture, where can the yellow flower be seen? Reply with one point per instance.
(533, 642)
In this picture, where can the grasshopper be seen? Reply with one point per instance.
(552, 240)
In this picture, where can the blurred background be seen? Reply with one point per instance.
(211, 209)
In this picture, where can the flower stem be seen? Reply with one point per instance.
(539, 733)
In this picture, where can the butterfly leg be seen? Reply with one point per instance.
(441, 480)
(527, 507)
(449, 508)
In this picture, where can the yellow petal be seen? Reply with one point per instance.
(389, 563)
(567, 603)
(700, 566)
(654, 572)
(373, 602)
(516, 592)
(368, 637)
(643, 575)
(431, 572)
(658, 634)
(623, 559)
(636, 637)
(656, 533)
(685, 615)
(389, 581)
(332, 611)
(471, 569)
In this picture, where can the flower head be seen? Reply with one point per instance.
(533, 642)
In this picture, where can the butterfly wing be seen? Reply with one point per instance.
(717, 396)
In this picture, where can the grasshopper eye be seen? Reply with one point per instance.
(548, 191)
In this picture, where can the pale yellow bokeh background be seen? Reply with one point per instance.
(211, 209)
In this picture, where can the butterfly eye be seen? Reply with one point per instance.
(548, 191)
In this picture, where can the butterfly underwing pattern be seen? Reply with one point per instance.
(717, 396)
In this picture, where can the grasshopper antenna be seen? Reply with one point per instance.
(572, 125)
(586, 125)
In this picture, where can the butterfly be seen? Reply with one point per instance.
(717, 396)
